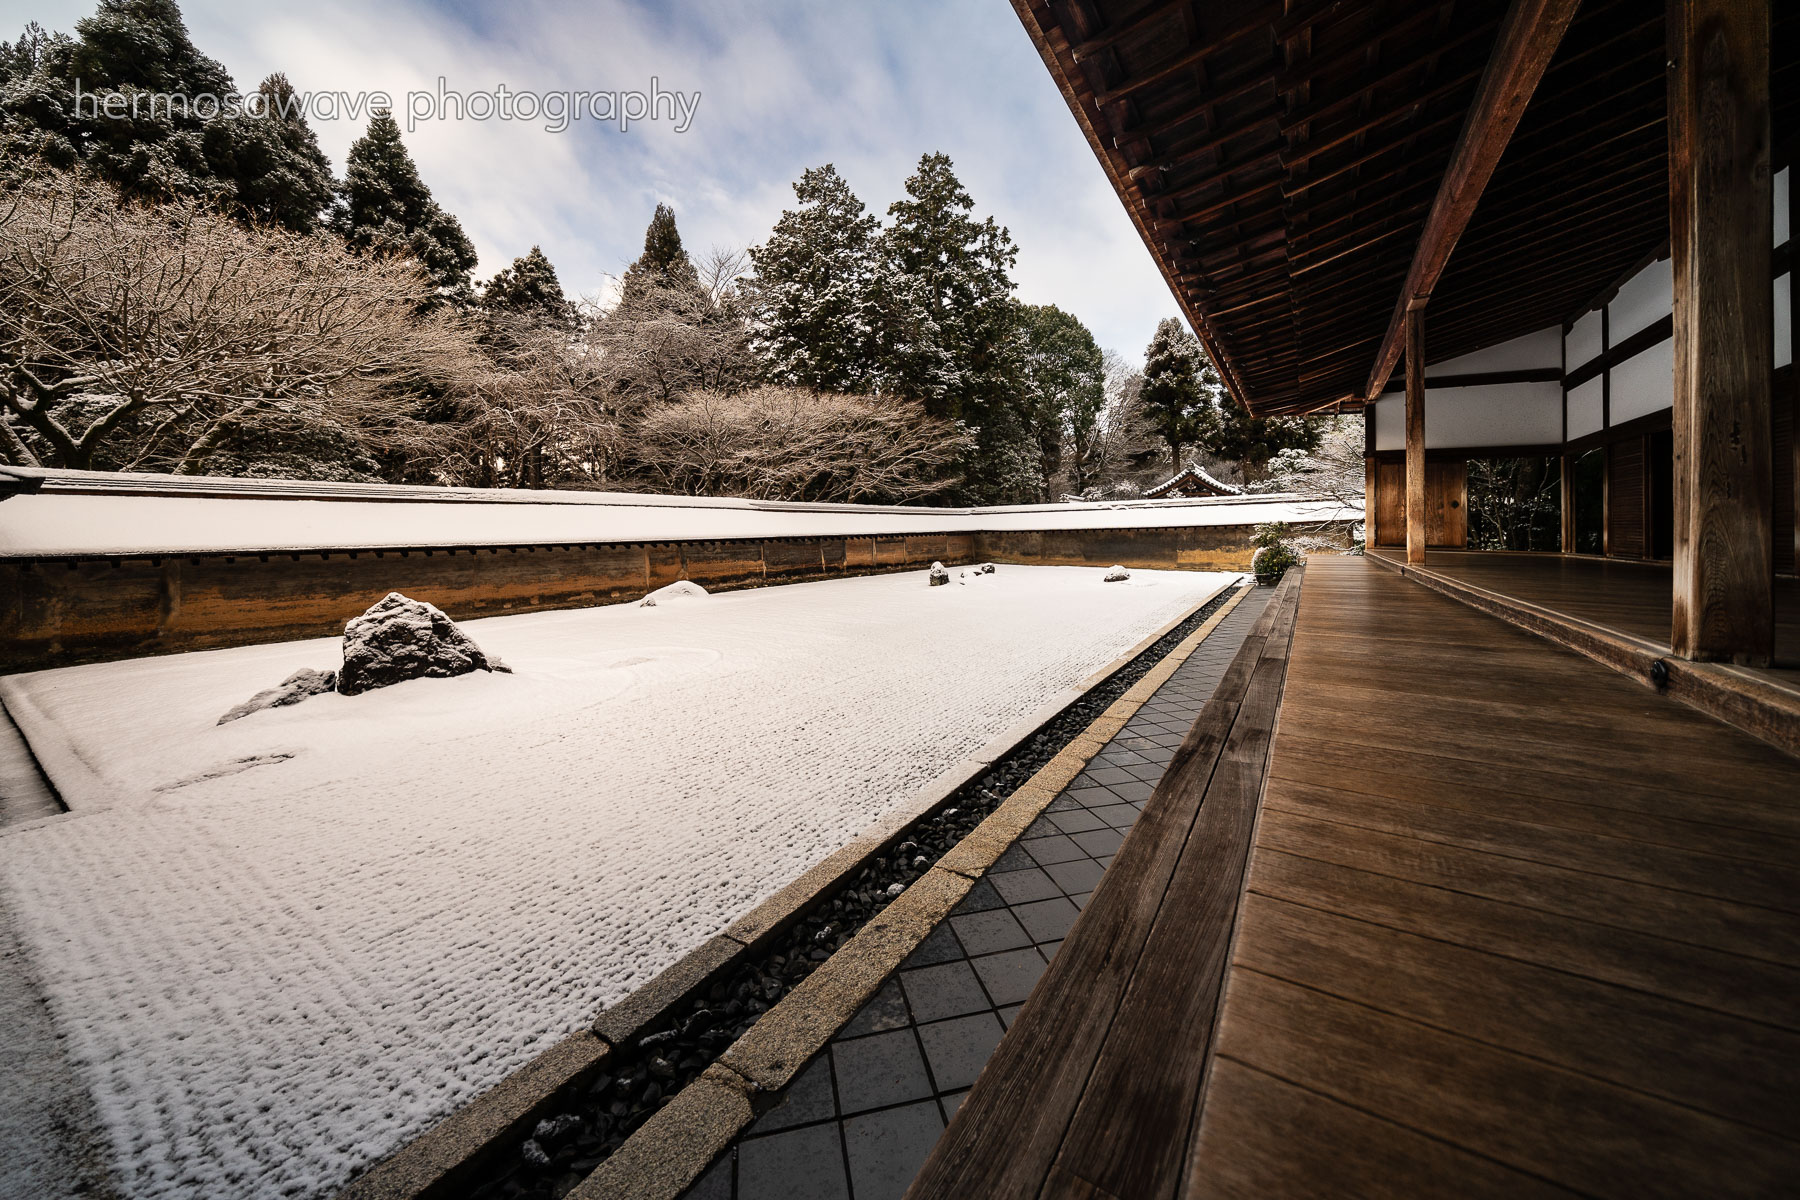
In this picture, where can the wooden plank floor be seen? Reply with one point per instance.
(1512, 925)
(1633, 597)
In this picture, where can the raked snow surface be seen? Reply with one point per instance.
(280, 947)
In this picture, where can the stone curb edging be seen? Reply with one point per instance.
(433, 1164)
(664, 1157)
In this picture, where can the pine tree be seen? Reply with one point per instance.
(529, 286)
(1172, 393)
(948, 331)
(132, 52)
(663, 266)
(280, 173)
(812, 294)
(1064, 385)
(128, 49)
(947, 318)
(385, 208)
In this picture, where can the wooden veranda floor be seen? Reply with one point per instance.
(1636, 598)
(1511, 924)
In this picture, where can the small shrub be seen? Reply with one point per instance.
(1273, 554)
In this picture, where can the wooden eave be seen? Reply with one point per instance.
(1280, 159)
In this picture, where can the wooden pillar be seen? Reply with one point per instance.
(1369, 504)
(1719, 233)
(1415, 434)
(1568, 504)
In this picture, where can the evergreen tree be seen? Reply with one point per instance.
(131, 52)
(812, 294)
(663, 267)
(385, 208)
(529, 286)
(947, 316)
(1172, 395)
(280, 172)
(1227, 431)
(1064, 385)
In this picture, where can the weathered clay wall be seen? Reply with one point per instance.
(58, 612)
(1197, 548)
(55, 612)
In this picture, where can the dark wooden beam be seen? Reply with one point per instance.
(1720, 210)
(1415, 434)
(1527, 41)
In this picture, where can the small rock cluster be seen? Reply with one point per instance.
(292, 690)
(396, 639)
(641, 1078)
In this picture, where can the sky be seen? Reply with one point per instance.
(869, 85)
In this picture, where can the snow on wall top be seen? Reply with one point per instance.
(70, 513)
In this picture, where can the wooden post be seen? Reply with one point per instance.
(1369, 505)
(1415, 434)
(1568, 504)
(1719, 233)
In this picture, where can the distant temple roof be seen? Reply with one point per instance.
(1191, 481)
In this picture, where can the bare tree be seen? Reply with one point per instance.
(1334, 470)
(664, 338)
(776, 443)
(175, 327)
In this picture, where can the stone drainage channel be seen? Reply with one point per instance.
(583, 1130)
(860, 1118)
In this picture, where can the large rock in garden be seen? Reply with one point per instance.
(1117, 574)
(295, 688)
(400, 639)
(939, 575)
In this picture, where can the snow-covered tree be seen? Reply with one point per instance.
(157, 336)
(948, 331)
(529, 287)
(663, 270)
(811, 297)
(1172, 394)
(1064, 387)
(139, 122)
(281, 174)
(779, 443)
(947, 313)
(385, 209)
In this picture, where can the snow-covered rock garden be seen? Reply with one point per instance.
(279, 945)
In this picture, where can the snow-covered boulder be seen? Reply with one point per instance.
(292, 690)
(1117, 574)
(400, 639)
(939, 576)
(680, 590)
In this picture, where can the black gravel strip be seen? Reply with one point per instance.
(592, 1120)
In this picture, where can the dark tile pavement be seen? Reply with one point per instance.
(858, 1122)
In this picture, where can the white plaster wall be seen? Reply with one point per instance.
(1781, 205)
(1531, 352)
(1784, 320)
(1583, 343)
(1587, 408)
(1644, 299)
(1390, 422)
(1644, 383)
(1501, 414)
